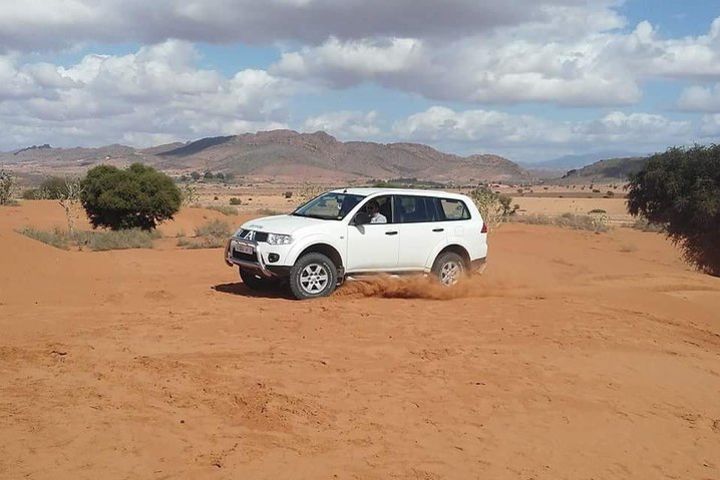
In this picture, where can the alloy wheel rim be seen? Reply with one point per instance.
(314, 278)
(450, 273)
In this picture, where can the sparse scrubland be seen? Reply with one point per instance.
(95, 240)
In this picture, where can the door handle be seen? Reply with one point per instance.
(438, 229)
(391, 233)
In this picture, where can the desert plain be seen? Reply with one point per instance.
(575, 355)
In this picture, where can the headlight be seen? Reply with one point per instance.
(279, 239)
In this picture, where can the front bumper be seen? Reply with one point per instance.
(268, 260)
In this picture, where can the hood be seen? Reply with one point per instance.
(286, 224)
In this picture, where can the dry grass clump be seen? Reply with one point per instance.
(644, 225)
(96, 241)
(592, 223)
(224, 209)
(212, 234)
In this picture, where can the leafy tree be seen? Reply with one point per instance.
(137, 197)
(195, 176)
(208, 175)
(680, 190)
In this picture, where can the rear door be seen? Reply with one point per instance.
(374, 247)
(420, 229)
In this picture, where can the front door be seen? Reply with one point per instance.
(374, 246)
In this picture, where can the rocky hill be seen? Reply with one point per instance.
(609, 169)
(286, 155)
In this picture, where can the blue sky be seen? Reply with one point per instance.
(532, 80)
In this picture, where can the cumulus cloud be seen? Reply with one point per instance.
(154, 93)
(700, 99)
(61, 23)
(533, 62)
(523, 136)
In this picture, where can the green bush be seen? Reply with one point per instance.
(138, 197)
(680, 190)
(235, 201)
(31, 194)
(7, 188)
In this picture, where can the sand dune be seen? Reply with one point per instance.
(575, 356)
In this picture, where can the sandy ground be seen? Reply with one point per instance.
(576, 356)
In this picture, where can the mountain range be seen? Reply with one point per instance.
(283, 155)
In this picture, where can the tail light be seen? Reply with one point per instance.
(484, 228)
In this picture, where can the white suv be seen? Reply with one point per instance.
(361, 230)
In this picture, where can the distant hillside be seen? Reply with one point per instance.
(568, 162)
(610, 169)
(287, 155)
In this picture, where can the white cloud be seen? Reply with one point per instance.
(526, 137)
(700, 99)
(35, 24)
(533, 62)
(155, 93)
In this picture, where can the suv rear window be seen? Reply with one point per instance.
(454, 209)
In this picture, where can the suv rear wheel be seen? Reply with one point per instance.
(313, 275)
(255, 281)
(449, 268)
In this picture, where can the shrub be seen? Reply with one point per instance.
(31, 194)
(235, 201)
(212, 234)
(288, 194)
(593, 223)
(493, 206)
(224, 209)
(680, 190)
(641, 223)
(138, 197)
(7, 188)
(213, 228)
(610, 193)
(96, 241)
(53, 188)
(268, 212)
(595, 211)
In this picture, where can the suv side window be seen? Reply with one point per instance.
(385, 207)
(415, 209)
(454, 209)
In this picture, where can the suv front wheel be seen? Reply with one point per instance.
(313, 275)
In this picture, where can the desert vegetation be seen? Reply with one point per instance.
(680, 191)
(137, 197)
(493, 206)
(7, 188)
(593, 223)
(211, 234)
(96, 240)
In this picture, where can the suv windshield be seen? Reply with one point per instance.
(329, 206)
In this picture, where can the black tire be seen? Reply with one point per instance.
(313, 275)
(255, 280)
(449, 269)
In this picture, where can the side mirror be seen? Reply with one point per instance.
(361, 218)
